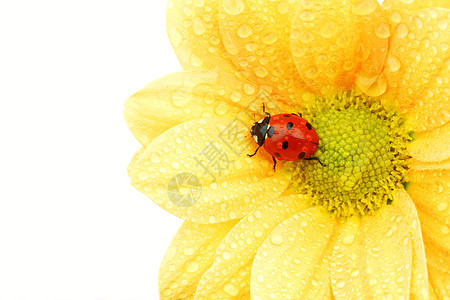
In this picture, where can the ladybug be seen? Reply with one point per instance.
(285, 137)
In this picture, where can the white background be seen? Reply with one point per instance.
(71, 225)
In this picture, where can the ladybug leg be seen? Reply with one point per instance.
(274, 163)
(315, 158)
(297, 114)
(264, 110)
(250, 155)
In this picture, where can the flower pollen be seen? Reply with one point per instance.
(363, 148)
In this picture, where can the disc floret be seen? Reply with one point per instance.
(364, 149)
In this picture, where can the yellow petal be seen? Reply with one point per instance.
(229, 276)
(431, 146)
(256, 35)
(435, 230)
(418, 67)
(335, 42)
(395, 7)
(199, 171)
(293, 262)
(440, 281)
(185, 96)
(372, 257)
(430, 191)
(193, 28)
(419, 276)
(438, 261)
(437, 257)
(190, 254)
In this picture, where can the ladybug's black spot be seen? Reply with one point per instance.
(301, 155)
(309, 126)
(285, 145)
(289, 125)
(271, 131)
(287, 116)
(277, 154)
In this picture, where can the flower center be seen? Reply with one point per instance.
(364, 151)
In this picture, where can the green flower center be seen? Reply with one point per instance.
(363, 149)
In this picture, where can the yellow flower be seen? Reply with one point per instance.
(373, 81)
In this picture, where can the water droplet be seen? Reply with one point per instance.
(401, 30)
(445, 229)
(229, 44)
(231, 289)
(235, 96)
(192, 267)
(418, 22)
(393, 63)
(348, 239)
(154, 157)
(143, 175)
(261, 71)
(442, 23)
(226, 255)
(276, 239)
(221, 109)
(244, 31)
(343, 41)
(270, 38)
(442, 206)
(329, 30)
(382, 31)
(233, 7)
(306, 37)
(199, 26)
(307, 15)
(258, 233)
(188, 251)
(249, 89)
(282, 7)
(340, 283)
(311, 73)
(364, 7)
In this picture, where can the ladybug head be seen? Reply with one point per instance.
(259, 130)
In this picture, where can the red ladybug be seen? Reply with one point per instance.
(285, 137)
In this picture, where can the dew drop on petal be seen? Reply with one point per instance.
(244, 31)
(442, 23)
(393, 63)
(226, 255)
(364, 7)
(230, 289)
(261, 71)
(233, 7)
(442, 206)
(282, 7)
(307, 15)
(192, 267)
(276, 239)
(340, 283)
(188, 251)
(199, 26)
(154, 157)
(382, 31)
(401, 30)
(270, 38)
